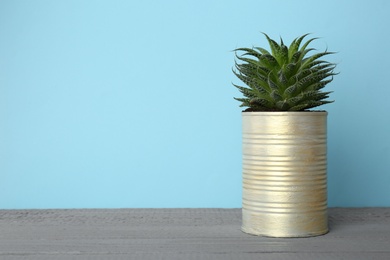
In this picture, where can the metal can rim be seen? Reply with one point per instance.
(284, 113)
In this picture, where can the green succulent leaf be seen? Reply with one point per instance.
(273, 45)
(294, 46)
(244, 102)
(290, 70)
(269, 62)
(283, 78)
(307, 44)
(282, 55)
(262, 50)
(314, 57)
(289, 92)
(275, 95)
(250, 52)
(261, 102)
(282, 105)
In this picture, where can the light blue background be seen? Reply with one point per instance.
(107, 104)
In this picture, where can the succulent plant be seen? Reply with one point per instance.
(284, 78)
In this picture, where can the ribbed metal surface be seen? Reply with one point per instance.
(284, 174)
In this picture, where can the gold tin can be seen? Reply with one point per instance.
(284, 173)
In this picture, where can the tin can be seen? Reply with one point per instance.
(284, 173)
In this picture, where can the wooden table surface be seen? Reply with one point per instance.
(356, 233)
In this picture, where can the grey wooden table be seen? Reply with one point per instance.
(361, 233)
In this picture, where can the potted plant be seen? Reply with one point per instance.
(284, 143)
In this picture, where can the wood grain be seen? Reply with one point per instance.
(358, 233)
